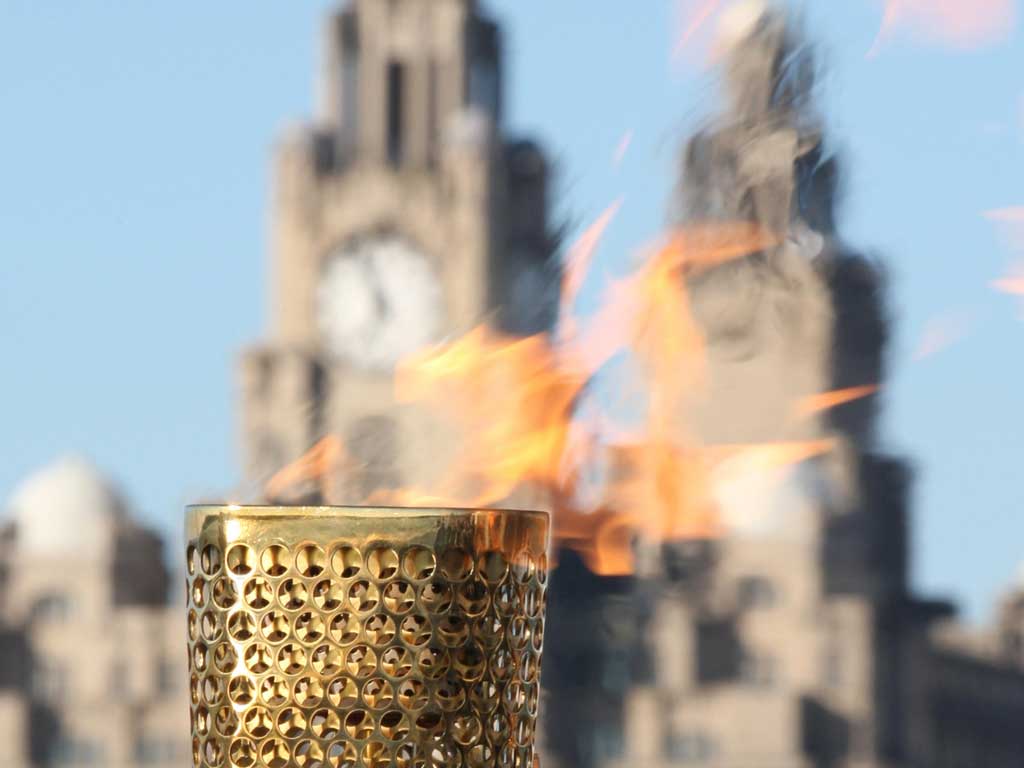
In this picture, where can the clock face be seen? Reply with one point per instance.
(379, 301)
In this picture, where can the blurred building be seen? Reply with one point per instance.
(402, 215)
(795, 639)
(92, 662)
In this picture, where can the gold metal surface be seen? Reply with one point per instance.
(339, 637)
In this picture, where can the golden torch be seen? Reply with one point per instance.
(369, 637)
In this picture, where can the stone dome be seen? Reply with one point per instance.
(66, 509)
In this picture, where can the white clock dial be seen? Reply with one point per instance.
(379, 301)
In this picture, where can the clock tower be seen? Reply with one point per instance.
(401, 216)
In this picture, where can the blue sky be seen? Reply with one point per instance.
(134, 154)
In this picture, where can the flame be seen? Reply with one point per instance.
(697, 19)
(955, 23)
(314, 466)
(1010, 222)
(622, 148)
(828, 400)
(516, 403)
(940, 333)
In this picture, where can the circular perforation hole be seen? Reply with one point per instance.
(274, 691)
(346, 561)
(430, 725)
(481, 756)
(415, 630)
(396, 662)
(213, 690)
(242, 626)
(456, 564)
(470, 662)
(409, 755)
(466, 730)
(363, 596)
(491, 566)
(310, 628)
(399, 597)
(450, 694)
(241, 691)
(275, 627)
(342, 755)
(453, 630)
(361, 661)
(292, 594)
(309, 754)
(226, 721)
(419, 563)
(258, 659)
(274, 753)
(378, 693)
(211, 560)
(344, 629)
(257, 593)
(325, 724)
(190, 559)
(473, 597)
(242, 753)
(382, 563)
(310, 561)
(210, 626)
(379, 630)
(394, 726)
(199, 592)
(225, 594)
(291, 723)
(258, 723)
(433, 663)
(436, 597)
(240, 560)
(291, 659)
(326, 660)
(225, 658)
(485, 696)
(213, 754)
(412, 695)
(523, 567)
(276, 560)
(376, 754)
(309, 692)
(328, 596)
(342, 693)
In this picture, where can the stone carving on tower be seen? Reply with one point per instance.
(400, 217)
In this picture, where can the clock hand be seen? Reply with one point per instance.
(379, 297)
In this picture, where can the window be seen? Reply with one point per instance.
(76, 752)
(609, 743)
(756, 592)
(54, 609)
(155, 751)
(758, 670)
(688, 747)
(396, 113)
(49, 682)
(166, 678)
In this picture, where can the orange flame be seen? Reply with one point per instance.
(314, 467)
(622, 148)
(515, 402)
(1010, 222)
(828, 400)
(954, 23)
(940, 333)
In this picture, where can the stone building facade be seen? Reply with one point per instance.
(92, 666)
(401, 216)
